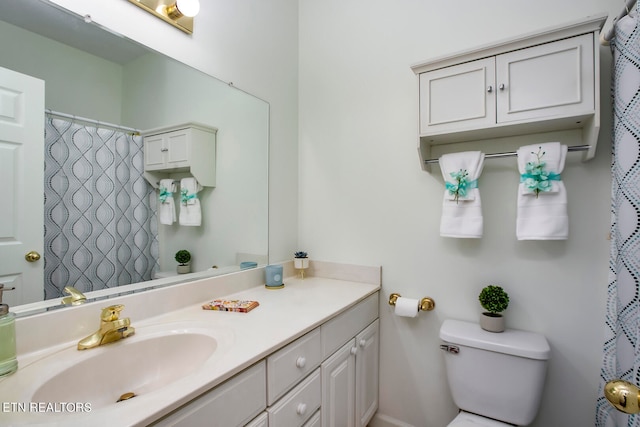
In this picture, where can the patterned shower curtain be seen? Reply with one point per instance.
(622, 344)
(100, 212)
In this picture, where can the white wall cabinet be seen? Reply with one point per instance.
(288, 387)
(543, 82)
(188, 148)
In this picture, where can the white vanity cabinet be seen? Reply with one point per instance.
(542, 82)
(188, 148)
(302, 383)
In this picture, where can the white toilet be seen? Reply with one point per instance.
(496, 379)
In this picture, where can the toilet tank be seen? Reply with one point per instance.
(496, 375)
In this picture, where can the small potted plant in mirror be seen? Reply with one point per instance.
(183, 257)
(300, 262)
(494, 300)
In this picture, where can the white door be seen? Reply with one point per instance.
(21, 186)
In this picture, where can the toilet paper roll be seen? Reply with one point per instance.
(406, 307)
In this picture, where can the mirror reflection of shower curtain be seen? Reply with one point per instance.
(621, 350)
(100, 212)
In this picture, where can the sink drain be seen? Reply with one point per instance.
(126, 396)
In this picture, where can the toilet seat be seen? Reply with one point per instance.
(465, 419)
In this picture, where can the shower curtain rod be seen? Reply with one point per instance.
(513, 154)
(605, 37)
(91, 121)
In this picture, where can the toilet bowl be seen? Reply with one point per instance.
(496, 379)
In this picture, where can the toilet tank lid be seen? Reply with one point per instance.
(512, 341)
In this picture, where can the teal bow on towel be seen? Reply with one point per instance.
(461, 185)
(164, 194)
(537, 179)
(186, 196)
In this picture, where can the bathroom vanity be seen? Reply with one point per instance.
(307, 353)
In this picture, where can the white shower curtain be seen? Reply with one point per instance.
(621, 358)
(100, 212)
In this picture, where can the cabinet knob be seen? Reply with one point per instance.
(301, 362)
(502, 86)
(354, 350)
(489, 89)
(362, 342)
(301, 409)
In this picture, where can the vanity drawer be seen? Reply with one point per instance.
(314, 421)
(233, 403)
(290, 364)
(299, 404)
(337, 331)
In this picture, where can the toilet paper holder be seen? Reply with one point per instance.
(426, 303)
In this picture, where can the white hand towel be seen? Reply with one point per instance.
(461, 206)
(190, 212)
(542, 197)
(167, 206)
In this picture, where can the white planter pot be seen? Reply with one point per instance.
(183, 268)
(301, 263)
(492, 322)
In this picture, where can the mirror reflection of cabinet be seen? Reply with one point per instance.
(189, 148)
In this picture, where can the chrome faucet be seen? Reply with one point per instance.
(112, 328)
(75, 296)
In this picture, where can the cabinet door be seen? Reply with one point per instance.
(458, 97)
(553, 79)
(154, 152)
(179, 147)
(367, 376)
(338, 388)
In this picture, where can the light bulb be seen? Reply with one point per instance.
(188, 8)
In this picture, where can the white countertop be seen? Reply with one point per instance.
(282, 316)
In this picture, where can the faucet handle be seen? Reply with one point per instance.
(111, 313)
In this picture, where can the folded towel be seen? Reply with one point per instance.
(542, 197)
(190, 212)
(167, 206)
(461, 206)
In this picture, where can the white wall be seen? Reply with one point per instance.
(364, 199)
(93, 77)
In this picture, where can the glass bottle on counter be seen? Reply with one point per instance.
(8, 360)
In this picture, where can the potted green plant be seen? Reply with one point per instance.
(301, 261)
(183, 257)
(494, 300)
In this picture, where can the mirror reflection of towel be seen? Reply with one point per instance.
(190, 211)
(166, 207)
(461, 206)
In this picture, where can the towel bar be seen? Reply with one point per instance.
(513, 154)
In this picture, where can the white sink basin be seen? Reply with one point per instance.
(155, 356)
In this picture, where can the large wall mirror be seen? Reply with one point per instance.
(92, 74)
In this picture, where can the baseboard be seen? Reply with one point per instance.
(380, 420)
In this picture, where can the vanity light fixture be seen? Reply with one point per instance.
(178, 13)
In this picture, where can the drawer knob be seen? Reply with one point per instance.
(301, 409)
(301, 362)
(363, 342)
(354, 350)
